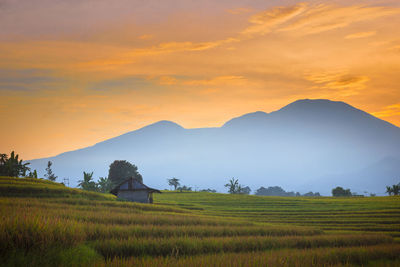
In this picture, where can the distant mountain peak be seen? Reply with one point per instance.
(161, 126)
(164, 124)
(316, 104)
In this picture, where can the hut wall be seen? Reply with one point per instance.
(136, 196)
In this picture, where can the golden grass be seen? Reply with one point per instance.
(46, 224)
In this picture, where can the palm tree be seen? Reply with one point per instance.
(396, 189)
(87, 183)
(389, 190)
(12, 166)
(233, 186)
(104, 185)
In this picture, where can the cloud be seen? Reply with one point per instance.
(27, 79)
(160, 49)
(168, 80)
(171, 47)
(307, 18)
(395, 48)
(145, 37)
(220, 80)
(265, 21)
(389, 111)
(121, 84)
(231, 80)
(358, 35)
(342, 82)
(294, 20)
(323, 17)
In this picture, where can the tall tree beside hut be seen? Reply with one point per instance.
(120, 170)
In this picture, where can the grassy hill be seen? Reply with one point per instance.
(48, 224)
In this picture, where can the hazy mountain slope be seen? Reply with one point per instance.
(292, 147)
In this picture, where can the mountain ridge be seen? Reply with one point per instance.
(297, 144)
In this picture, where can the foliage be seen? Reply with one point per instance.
(245, 190)
(32, 174)
(87, 183)
(340, 192)
(120, 170)
(311, 194)
(274, 191)
(393, 190)
(173, 182)
(209, 190)
(12, 166)
(184, 188)
(104, 185)
(235, 188)
(49, 172)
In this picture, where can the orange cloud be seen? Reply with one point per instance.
(321, 17)
(220, 80)
(389, 111)
(342, 82)
(145, 37)
(358, 35)
(265, 21)
(172, 47)
(168, 80)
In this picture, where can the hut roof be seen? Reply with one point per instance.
(132, 184)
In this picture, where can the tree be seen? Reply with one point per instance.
(208, 190)
(33, 174)
(49, 172)
(245, 190)
(271, 191)
(120, 170)
(232, 185)
(12, 166)
(389, 190)
(340, 192)
(395, 189)
(87, 183)
(311, 194)
(184, 188)
(235, 188)
(173, 182)
(104, 185)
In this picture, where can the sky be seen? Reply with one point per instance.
(74, 73)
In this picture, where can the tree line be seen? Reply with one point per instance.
(120, 170)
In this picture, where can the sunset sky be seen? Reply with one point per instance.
(74, 73)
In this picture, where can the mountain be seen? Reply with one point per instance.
(306, 145)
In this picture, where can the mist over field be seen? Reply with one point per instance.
(308, 145)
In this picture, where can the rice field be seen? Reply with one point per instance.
(47, 224)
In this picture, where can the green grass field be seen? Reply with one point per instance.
(47, 224)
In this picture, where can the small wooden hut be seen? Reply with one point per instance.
(133, 190)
